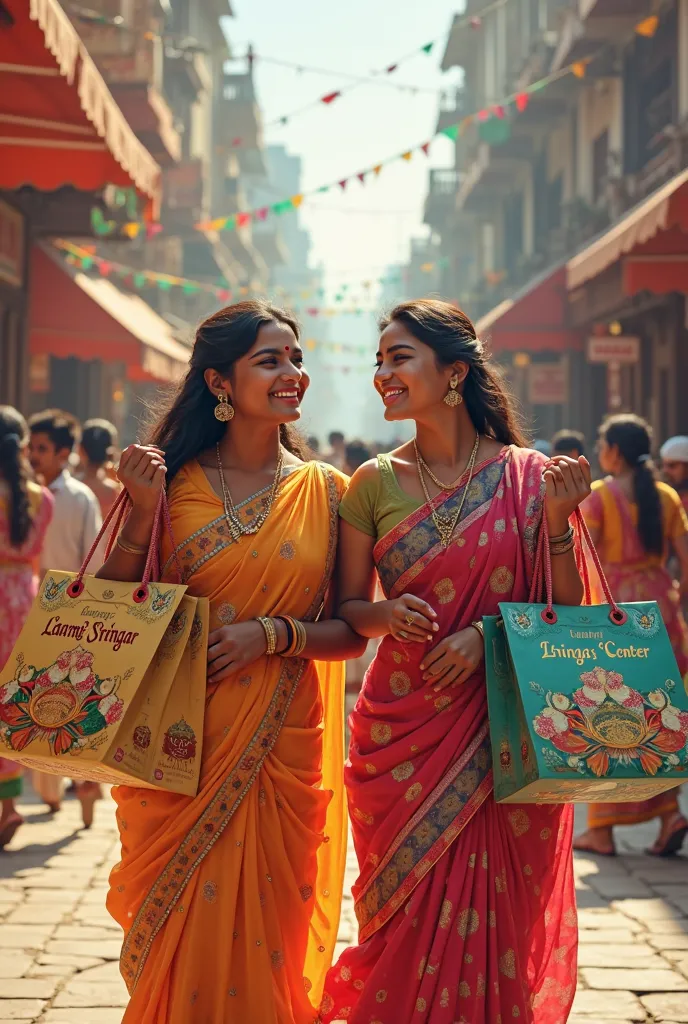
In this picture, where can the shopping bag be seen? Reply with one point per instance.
(586, 704)
(89, 652)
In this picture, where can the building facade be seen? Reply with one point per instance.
(564, 221)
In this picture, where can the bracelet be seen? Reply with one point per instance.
(562, 549)
(131, 549)
(554, 541)
(291, 634)
(270, 634)
(302, 638)
(480, 628)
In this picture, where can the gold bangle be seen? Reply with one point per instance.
(300, 645)
(553, 541)
(562, 549)
(131, 549)
(270, 635)
(480, 628)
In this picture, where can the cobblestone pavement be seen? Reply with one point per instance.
(59, 948)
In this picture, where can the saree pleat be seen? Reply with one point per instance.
(230, 900)
(466, 908)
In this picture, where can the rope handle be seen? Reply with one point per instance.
(542, 570)
(120, 509)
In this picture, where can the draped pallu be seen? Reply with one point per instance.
(466, 908)
(230, 900)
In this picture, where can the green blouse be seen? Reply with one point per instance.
(378, 505)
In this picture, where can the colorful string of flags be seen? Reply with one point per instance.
(497, 113)
(138, 279)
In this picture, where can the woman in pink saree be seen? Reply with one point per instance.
(466, 909)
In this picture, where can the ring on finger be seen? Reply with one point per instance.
(403, 634)
(409, 620)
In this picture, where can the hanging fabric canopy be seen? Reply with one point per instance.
(59, 124)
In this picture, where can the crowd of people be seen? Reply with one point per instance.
(362, 557)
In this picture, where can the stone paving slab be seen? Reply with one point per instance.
(59, 947)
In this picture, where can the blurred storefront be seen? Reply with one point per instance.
(63, 139)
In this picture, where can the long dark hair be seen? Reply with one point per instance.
(633, 438)
(15, 472)
(186, 426)
(451, 336)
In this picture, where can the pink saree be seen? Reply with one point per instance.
(466, 908)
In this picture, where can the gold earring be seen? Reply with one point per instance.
(452, 397)
(224, 411)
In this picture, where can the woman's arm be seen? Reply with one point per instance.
(567, 484)
(142, 472)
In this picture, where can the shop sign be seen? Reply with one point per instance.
(548, 384)
(11, 245)
(614, 349)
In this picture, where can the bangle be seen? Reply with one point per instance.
(289, 626)
(562, 549)
(302, 639)
(480, 628)
(131, 549)
(554, 541)
(270, 634)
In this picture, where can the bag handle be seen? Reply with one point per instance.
(120, 509)
(543, 567)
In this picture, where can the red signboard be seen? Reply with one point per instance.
(548, 384)
(11, 245)
(613, 349)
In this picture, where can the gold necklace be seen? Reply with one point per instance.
(446, 524)
(238, 529)
(437, 482)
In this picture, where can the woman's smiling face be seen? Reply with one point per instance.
(408, 377)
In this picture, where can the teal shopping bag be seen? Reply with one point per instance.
(586, 703)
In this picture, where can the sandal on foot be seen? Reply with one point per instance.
(581, 846)
(673, 842)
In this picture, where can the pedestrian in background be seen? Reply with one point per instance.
(74, 527)
(336, 454)
(96, 451)
(674, 454)
(568, 442)
(633, 519)
(25, 512)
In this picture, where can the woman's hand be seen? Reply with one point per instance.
(410, 618)
(454, 659)
(142, 472)
(231, 648)
(567, 484)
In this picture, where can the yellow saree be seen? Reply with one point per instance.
(230, 901)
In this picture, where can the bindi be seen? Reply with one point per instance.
(286, 348)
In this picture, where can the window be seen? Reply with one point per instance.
(600, 166)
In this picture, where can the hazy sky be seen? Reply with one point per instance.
(356, 233)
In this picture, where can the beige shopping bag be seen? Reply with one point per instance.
(93, 659)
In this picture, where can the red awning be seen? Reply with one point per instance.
(72, 314)
(59, 124)
(534, 320)
(655, 233)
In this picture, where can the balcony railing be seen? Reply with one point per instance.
(441, 199)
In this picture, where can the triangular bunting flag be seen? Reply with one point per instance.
(131, 230)
(104, 267)
(579, 68)
(483, 115)
(189, 288)
(152, 230)
(647, 27)
(224, 295)
(407, 155)
(376, 169)
(343, 184)
(163, 284)
(262, 213)
(236, 142)
(521, 101)
(139, 280)
(361, 177)
(296, 201)
(499, 111)
(391, 68)
(324, 188)
(427, 48)
(282, 207)
(87, 263)
(452, 132)
(242, 219)
(331, 97)
(426, 148)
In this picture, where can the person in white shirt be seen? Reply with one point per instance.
(75, 525)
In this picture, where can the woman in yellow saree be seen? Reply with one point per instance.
(230, 900)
